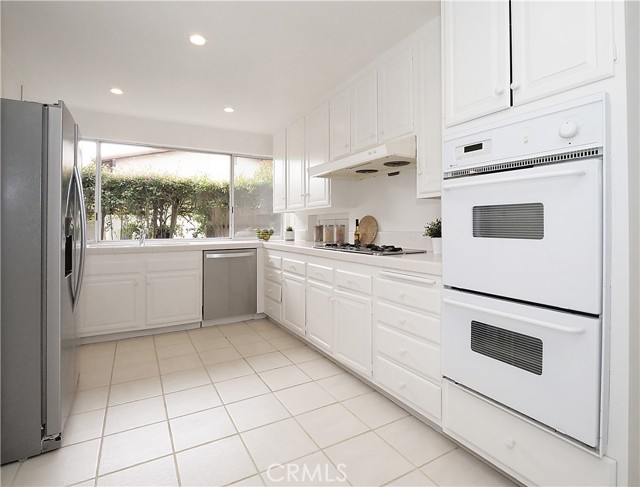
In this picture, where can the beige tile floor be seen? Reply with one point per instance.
(237, 404)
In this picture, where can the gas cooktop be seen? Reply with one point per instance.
(370, 249)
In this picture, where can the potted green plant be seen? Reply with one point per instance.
(434, 231)
(289, 234)
(264, 233)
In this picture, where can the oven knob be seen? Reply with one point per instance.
(568, 130)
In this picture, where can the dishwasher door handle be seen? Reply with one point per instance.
(229, 255)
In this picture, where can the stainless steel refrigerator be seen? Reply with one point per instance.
(43, 247)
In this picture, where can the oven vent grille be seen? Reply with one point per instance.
(516, 349)
(523, 163)
(521, 220)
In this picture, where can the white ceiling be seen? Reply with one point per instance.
(271, 61)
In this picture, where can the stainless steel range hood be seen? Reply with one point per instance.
(393, 156)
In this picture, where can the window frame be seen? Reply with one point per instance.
(231, 216)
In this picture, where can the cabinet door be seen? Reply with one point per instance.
(319, 320)
(173, 298)
(429, 116)
(395, 96)
(293, 312)
(352, 323)
(317, 152)
(476, 59)
(279, 171)
(559, 45)
(112, 304)
(296, 166)
(339, 125)
(364, 112)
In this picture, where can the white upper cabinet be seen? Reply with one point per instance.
(279, 171)
(476, 59)
(317, 152)
(340, 125)
(395, 95)
(364, 112)
(559, 45)
(428, 114)
(296, 166)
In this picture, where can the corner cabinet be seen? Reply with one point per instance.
(138, 291)
(280, 171)
(556, 47)
(318, 193)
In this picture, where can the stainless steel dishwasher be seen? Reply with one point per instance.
(230, 284)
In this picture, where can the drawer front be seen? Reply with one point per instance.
(422, 358)
(418, 324)
(416, 391)
(426, 297)
(353, 281)
(521, 448)
(273, 291)
(293, 266)
(320, 273)
(273, 309)
(273, 275)
(273, 261)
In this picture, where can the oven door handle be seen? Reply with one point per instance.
(529, 321)
(447, 185)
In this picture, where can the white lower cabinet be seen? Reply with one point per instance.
(129, 292)
(352, 321)
(319, 315)
(407, 339)
(293, 297)
(518, 446)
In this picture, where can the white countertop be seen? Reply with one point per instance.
(132, 246)
(425, 263)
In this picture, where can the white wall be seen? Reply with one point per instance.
(119, 128)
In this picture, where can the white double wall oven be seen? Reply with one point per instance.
(522, 209)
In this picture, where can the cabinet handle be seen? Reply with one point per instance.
(350, 282)
(419, 171)
(402, 351)
(346, 146)
(372, 134)
(402, 295)
(515, 86)
(509, 443)
(402, 385)
(402, 322)
(499, 91)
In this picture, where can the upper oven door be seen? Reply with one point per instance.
(530, 234)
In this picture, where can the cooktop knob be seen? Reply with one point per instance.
(568, 130)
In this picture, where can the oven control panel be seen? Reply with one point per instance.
(575, 125)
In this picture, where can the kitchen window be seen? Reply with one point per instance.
(173, 193)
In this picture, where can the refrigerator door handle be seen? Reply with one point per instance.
(83, 226)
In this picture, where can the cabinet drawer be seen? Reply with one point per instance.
(273, 291)
(422, 358)
(418, 324)
(293, 266)
(423, 294)
(353, 281)
(320, 273)
(416, 391)
(272, 309)
(273, 275)
(519, 447)
(273, 262)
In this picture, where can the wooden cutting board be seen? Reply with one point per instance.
(368, 230)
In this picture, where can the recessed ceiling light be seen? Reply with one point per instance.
(117, 91)
(229, 110)
(197, 39)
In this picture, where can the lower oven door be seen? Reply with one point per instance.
(530, 234)
(544, 364)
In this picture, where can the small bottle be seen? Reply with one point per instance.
(356, 234)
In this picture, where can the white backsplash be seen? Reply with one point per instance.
(391, 201)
